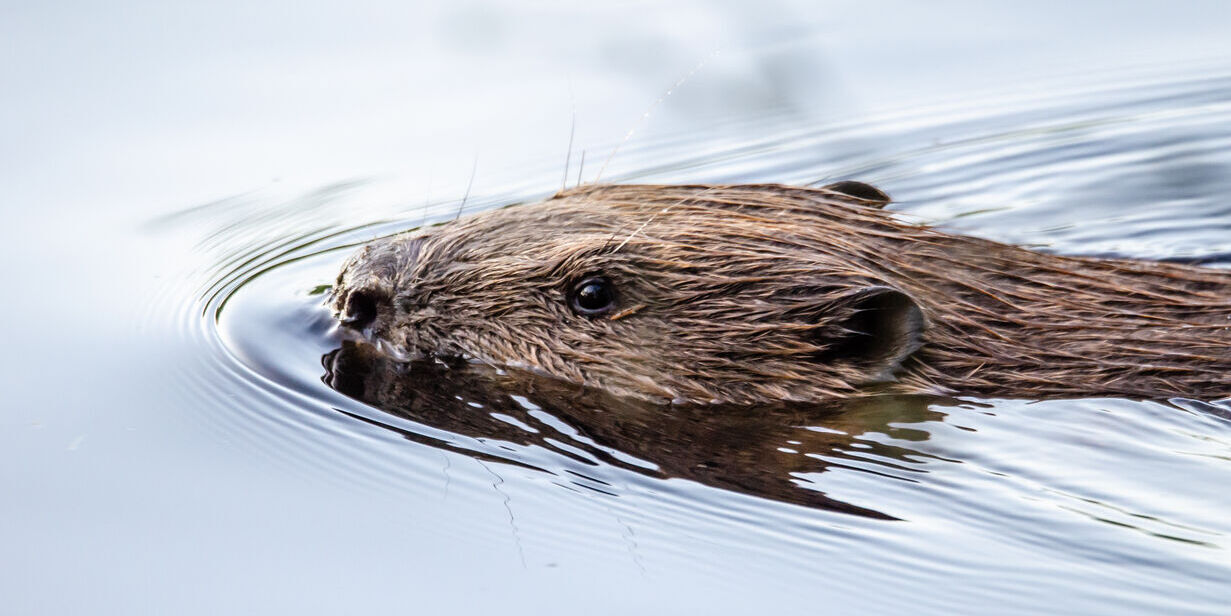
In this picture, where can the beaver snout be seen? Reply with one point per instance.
(363, 296)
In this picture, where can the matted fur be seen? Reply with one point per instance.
(742, 294)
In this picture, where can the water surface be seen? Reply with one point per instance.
(186, 430)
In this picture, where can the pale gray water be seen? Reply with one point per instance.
(178, 180)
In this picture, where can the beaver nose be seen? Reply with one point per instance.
(368, 284)
(360, 311)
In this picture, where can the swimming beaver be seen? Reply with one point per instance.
(748, 293)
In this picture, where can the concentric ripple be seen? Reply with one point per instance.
(993, 492)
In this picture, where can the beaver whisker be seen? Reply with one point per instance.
(572, 128)
(651, 218)
(645, 115)
(474, 167)
(392, 351)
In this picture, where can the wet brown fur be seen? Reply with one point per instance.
(743, 294)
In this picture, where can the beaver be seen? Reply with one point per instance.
(703, 294)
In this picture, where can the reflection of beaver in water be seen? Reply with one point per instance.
(744, 294)
(771, 450)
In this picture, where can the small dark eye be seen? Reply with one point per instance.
(592, 296)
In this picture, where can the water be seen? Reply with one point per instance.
(185, 183)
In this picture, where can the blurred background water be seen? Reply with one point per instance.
(180, 180)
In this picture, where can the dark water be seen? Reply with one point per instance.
(186, 431)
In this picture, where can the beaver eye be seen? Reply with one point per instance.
(592, 296)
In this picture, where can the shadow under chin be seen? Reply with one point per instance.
(768, 451)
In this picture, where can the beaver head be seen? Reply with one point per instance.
(765, 292)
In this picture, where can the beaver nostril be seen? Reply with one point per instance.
(360, 310)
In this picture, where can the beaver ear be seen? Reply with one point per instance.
(871, 195)
(879, 329)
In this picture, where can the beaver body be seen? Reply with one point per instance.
(748, 293)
